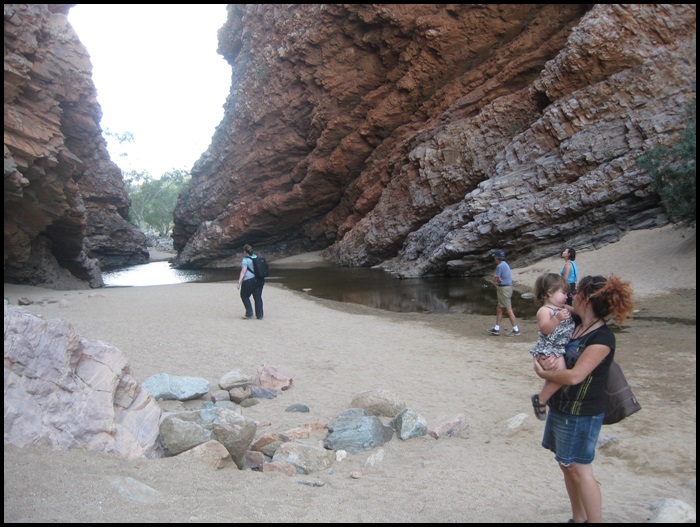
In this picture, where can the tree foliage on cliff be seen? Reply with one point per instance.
(153, 200)
(673, 170)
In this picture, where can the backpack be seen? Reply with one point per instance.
(260, 267)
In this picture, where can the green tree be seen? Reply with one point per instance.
(673, 169)
(153, 200)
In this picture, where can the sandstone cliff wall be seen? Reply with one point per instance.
(64, 200)
(420, 137)
(416, 138)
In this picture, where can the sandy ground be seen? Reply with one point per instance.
(441, 365)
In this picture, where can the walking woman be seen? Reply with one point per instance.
(576, 411)
(249, 284)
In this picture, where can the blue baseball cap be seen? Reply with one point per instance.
(500, 254)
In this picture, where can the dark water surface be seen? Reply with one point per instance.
(369, 287)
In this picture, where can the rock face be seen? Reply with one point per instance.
(65, 202)
(412, 137)
(67, 392)
(420, 137)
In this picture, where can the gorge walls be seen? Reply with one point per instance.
(418, 138)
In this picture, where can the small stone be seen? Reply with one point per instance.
(297, 408)
(356, 474)
(311, 482)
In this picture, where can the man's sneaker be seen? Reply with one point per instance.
(493, 331)
(513, 333)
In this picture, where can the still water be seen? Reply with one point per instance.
(369, 287)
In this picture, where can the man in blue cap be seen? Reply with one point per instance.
(504, 292)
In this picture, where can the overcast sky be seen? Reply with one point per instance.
(158, 76)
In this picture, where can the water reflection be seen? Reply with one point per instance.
(369, 287)
(160, 273)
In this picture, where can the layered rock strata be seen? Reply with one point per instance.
(416, 138)
(420, 137)
(65, 204)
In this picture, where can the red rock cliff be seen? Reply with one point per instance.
(420, 137)
(64, 200)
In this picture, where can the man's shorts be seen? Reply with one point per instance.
(504, 294)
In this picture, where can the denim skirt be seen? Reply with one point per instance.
(572, 438)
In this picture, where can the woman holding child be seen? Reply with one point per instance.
(576, 410)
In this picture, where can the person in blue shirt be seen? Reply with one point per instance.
(504, 293)
(569, 271)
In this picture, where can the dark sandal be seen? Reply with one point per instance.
(539, 408)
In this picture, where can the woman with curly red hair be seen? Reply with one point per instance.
(577, 409)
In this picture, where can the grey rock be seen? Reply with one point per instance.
(233, 379)
(184, 430)
(263, 393)
(408, 424)
(311, 482)
(355, 431)
(238, 394)
(212, 453)
(136, 491)
(297, 408)
(306, 458)
(672, 510)
(179, 388)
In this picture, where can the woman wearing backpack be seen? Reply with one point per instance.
(249, 284)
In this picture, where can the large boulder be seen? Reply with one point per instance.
(182, 431)
(68, 392)
(355, 431)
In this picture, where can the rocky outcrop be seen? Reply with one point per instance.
(419, 137)
(65, 204)
(67, 392)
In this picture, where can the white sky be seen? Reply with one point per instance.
(158, 76)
